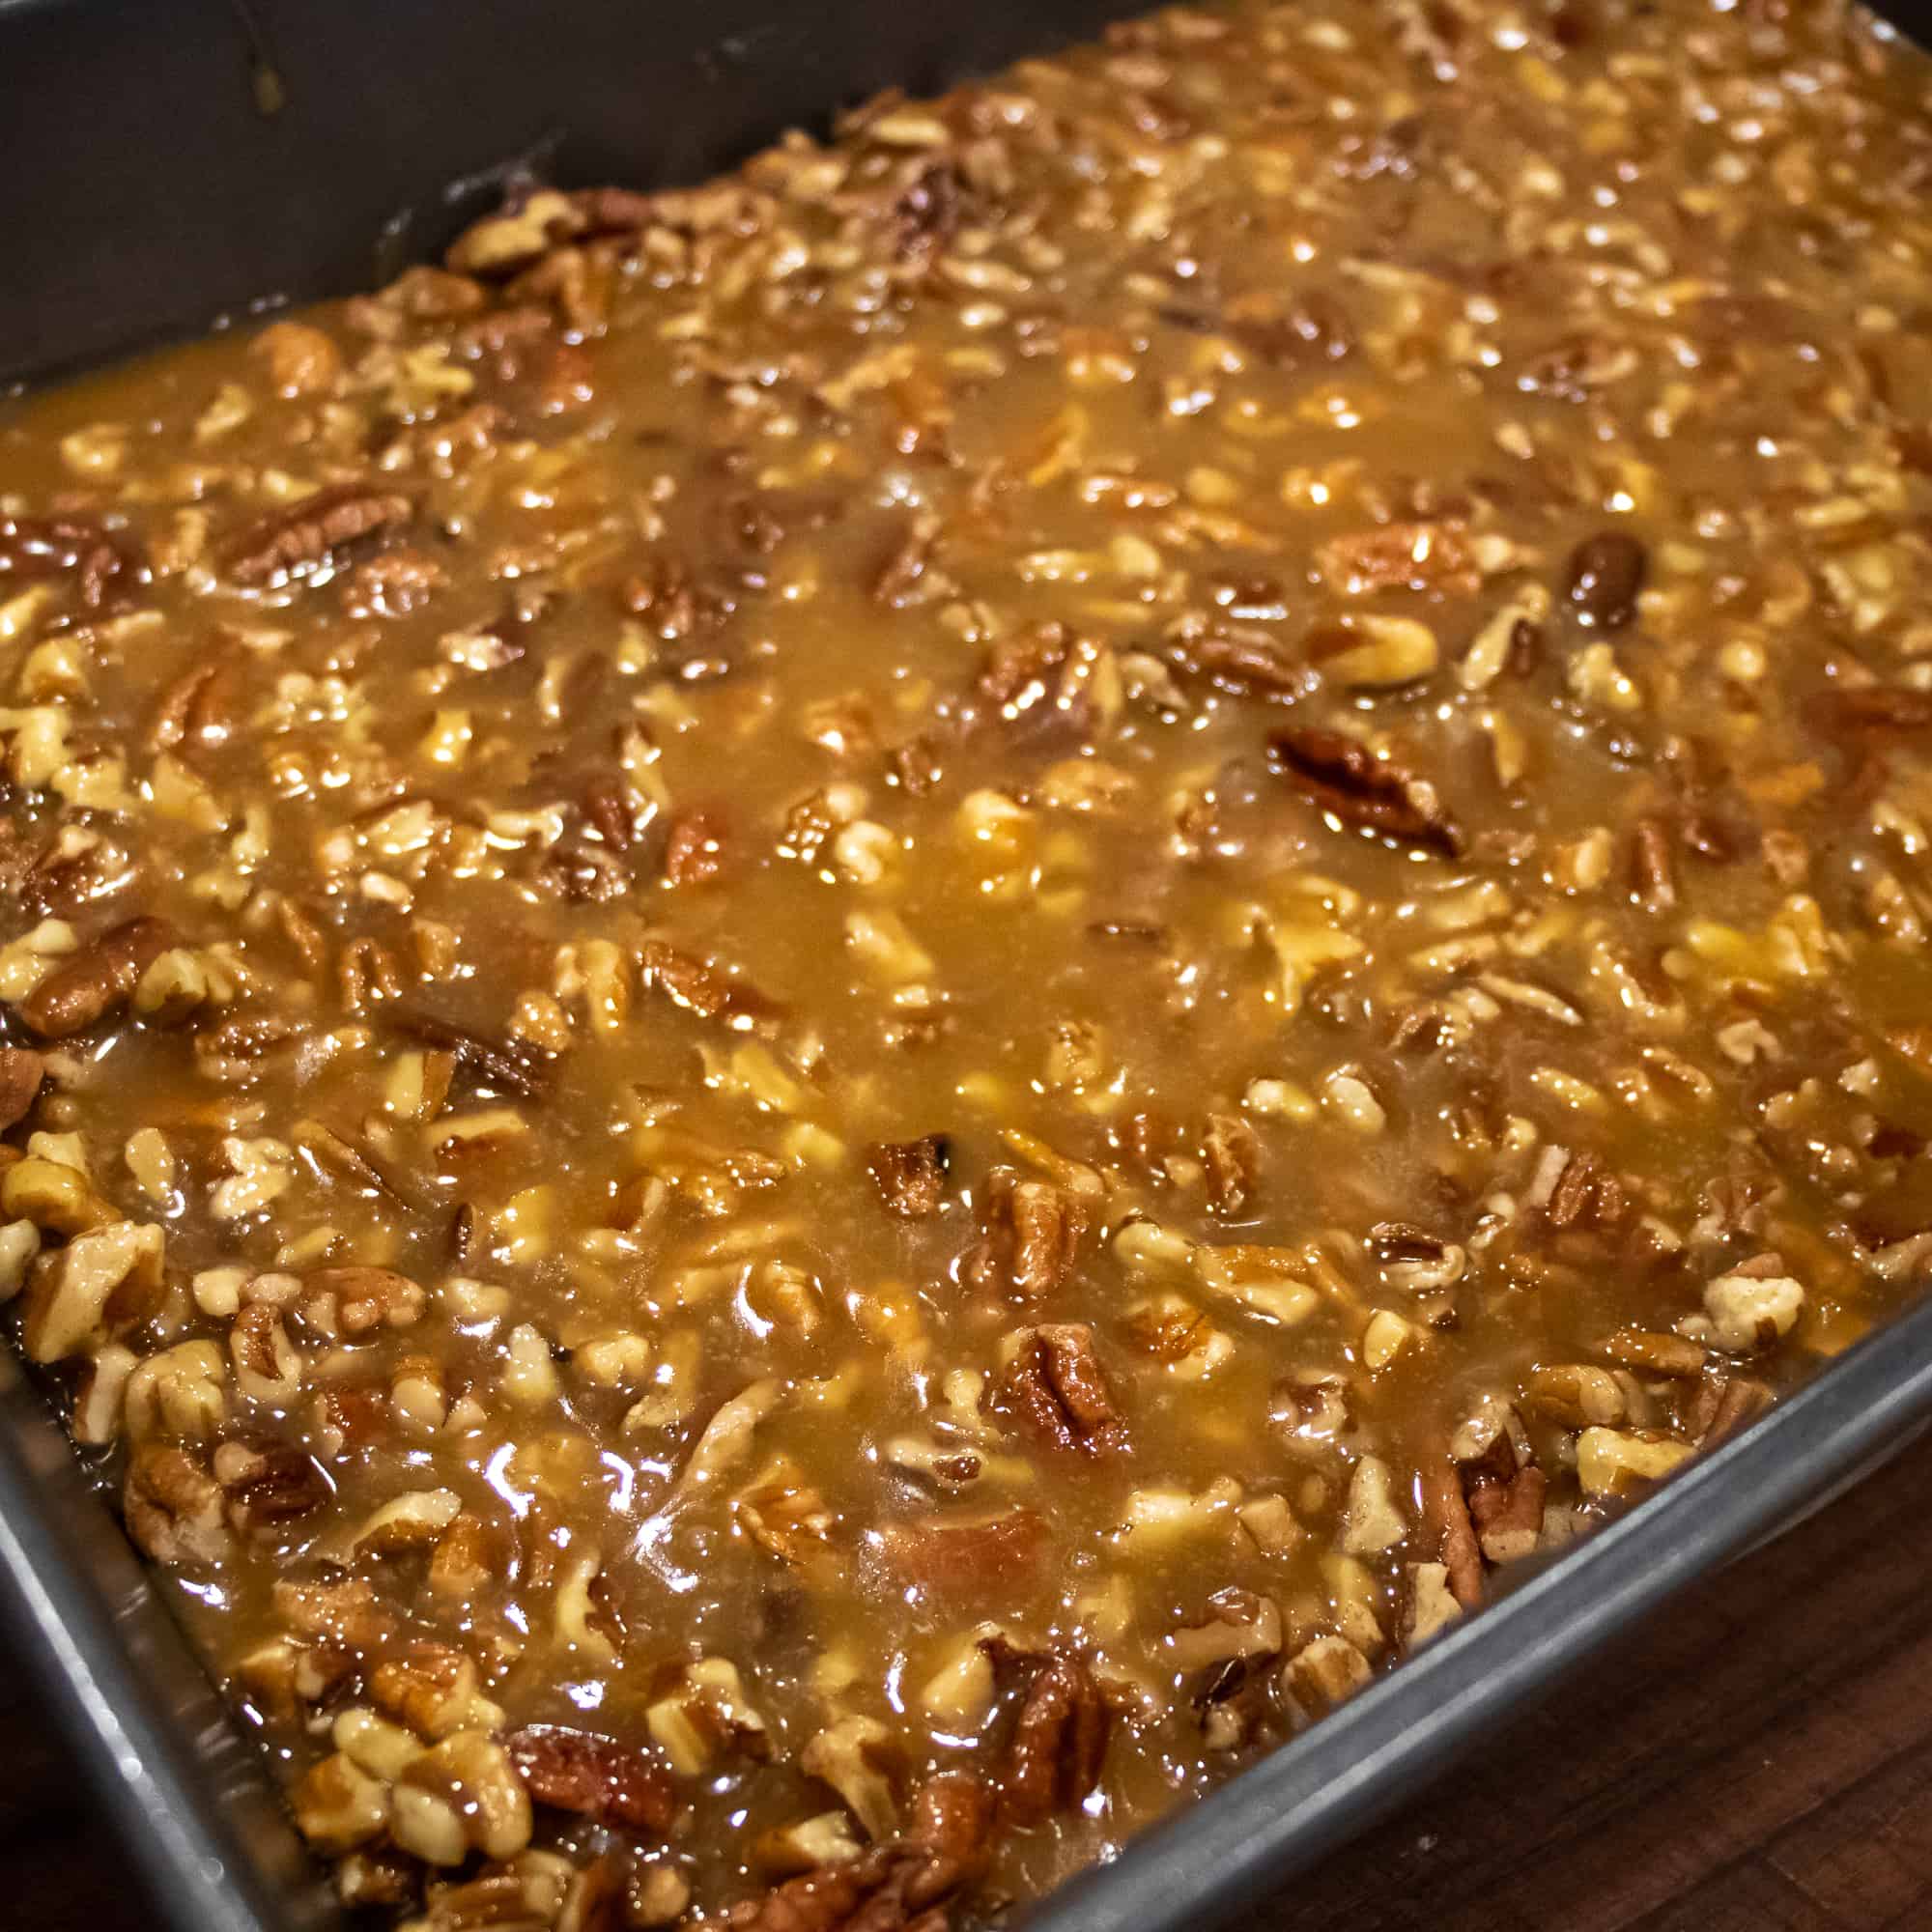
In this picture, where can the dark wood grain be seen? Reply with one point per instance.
(1757, 1760)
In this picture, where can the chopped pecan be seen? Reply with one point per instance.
(958, 1556)
(900, 1887)
(501, 1066)
(1058, 1743)
(1725, 1404)
(697, 847)
(906, 577)
(345, 1612)
(1508, 1515)
(911, 1174)
(1653, 877)
(21, 1073)
(1504, 1491)
(1020, 673)
(97, 981)
(595, 1776)
(368, 1298)
(1055, 1385)
(915, 766)
(1241, 658)
(707, 990)
(301, 536)
(1447, 1510)
(33, 548)
(1417, 557)
(927, 212)
(1232, 1153)
(1341, 776)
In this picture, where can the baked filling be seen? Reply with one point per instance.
(848, 1016)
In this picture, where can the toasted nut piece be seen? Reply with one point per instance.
(21, 1073)
(1058, 1743)
(1431, 1603)
(461, 1794)
(1577, 1395)
(344, 1612)
(658, 1895)
(383, 1749)
(1617, 1463)
(808, 1843)
(283, 1679)
(102, 1284)
(1372, 1522)
(301, 360)
(174, 1507)
(709, 1714)
(99, 1402)
(20, 1244)
(842, 1755)
(598, 1779)
(53, 1196)
(463, 1561)
(267, 1365)
(337, 1804)
(1656, 1354)
(98, 980)
(433, 1689)
(1749, 1311)
(368, 1880)
(1373, 652)
(1325, 1673)
(1239, 1623)
(269, 1484)
(183, 1390)
(412, 1521)
(368, 1298)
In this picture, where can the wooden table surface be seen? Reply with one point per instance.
(1758, 1760)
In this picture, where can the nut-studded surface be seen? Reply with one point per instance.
(850, 1015)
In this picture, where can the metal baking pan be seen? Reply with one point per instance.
(170, 160)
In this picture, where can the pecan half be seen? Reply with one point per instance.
(1056, 1387)
(1032, 1232)
(595, 1776)
(911, 1174)
(1059, 1741)
(97, 981)
(303, 535)
(269, 1484)
(174, 1507)
(1340, 775)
